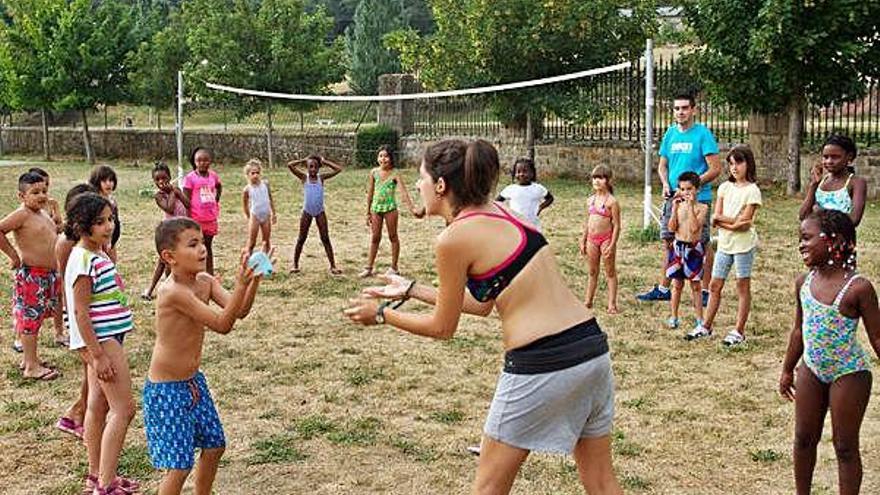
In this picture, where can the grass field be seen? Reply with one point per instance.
(313, 404)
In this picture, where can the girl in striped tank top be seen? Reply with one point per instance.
(99, 323)
(833, 370)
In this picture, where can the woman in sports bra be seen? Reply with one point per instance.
(601, 232)
(556, 393)
(838, 188)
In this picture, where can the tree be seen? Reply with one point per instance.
(480, 43)
(88, 56)
(368, 57)
(787, 56)
(155, 63)
(27, 41)
(274, 46)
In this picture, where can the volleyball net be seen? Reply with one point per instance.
(598, 105)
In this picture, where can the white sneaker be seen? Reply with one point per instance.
(733, 338)
(698, 332)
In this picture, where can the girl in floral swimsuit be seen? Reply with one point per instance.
(834, 371)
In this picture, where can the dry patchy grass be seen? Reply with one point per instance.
(313, 404)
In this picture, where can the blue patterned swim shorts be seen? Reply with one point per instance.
(180, 417)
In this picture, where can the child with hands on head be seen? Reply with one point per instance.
(173, 203)
(259, 208)
(179, 412)
(601, 233)
(313, 205)
(99, 319)
(526, 197)
(35, 286)
(686, 256)
(382, 208)
(825, 367)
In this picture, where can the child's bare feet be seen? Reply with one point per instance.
(294, 269)
(612, 310)
(588, 304)
(335, 271)
(62, 340)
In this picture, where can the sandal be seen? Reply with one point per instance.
(68, 425)
(146, 297)
(367, 272)
(391, 271)
(16, 346)
(335, 271)
(119, 486)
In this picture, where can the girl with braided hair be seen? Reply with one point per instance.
(834, 184)
(834, 371)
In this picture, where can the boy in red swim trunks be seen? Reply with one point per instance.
(35, 289)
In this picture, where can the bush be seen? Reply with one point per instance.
(368, 142)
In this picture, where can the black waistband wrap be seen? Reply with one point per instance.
(565, 349)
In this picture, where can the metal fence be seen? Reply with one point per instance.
(619, 100)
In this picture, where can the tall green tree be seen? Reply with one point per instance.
(154, 65)
(368, 56)
(88, 55)
(481, 43)
(27, 42)
(790, 54)
(275, 45)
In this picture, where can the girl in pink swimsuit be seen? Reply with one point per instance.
(601, 231)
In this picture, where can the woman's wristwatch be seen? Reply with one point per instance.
(380, 311)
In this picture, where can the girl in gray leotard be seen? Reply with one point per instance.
(313, 205)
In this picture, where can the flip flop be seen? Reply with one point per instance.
(44, 364)
(16, 346)
(47, 375)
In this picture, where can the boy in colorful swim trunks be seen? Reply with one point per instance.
(179, 413)
(35, 289)
(686, 255)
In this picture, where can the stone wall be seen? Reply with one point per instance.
(161, 145)
(555, 160)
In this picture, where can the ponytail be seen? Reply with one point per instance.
(470, 169)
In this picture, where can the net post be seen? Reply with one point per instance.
(649, 129)
(179, 127)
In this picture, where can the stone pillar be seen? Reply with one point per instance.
(398, 115)
(768, 138)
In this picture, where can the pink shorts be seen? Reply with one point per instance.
(34, 298)
(208, 228)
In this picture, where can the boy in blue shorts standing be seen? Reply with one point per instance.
(179, 413)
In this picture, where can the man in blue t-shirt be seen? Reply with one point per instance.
(687, 146)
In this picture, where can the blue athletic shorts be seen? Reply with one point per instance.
(180, 417)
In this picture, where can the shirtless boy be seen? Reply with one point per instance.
(179, 413)
(35, 289)
(686, 255)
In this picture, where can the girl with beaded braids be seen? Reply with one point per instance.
(556, 393)
(834, 370)
(834, 184)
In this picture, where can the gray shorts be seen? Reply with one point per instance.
(667, 212)
(550, 412)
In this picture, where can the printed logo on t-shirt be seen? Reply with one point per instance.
(206, 194)
(681, 147)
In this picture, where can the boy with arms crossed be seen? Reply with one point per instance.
(179, 413)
